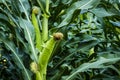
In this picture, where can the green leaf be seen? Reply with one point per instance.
(117, 23)
(84, 4)
(97, 64)
(17, 60)
(42, 4)
(3, 17)
(101, 12)
(24, 7)
(29, 35)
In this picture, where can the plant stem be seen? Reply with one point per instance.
(45, 22)
(38, 76)
(45, 28)
(41, 6)
(47, 6)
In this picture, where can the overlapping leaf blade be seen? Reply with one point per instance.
(16, 57)
(29, 35)
(84, 4)
(97, 64)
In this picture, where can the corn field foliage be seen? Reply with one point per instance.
(89, 48)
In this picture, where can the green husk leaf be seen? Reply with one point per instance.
(45, 55)
(37, 32)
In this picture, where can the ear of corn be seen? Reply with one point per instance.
(46, 53)
(37, 30)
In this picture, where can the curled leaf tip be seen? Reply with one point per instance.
(35, 10)
(58, 36)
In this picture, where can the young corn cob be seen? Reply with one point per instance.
(35, 12)
(46, 53)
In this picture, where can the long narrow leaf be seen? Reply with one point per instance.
(19, 62)
(29, 35)
(27, 16)
(84, 4)
(96, 64)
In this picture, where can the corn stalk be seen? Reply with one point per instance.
(40, 67)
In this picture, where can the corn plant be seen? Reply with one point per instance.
(32, 32)
(25, 24)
